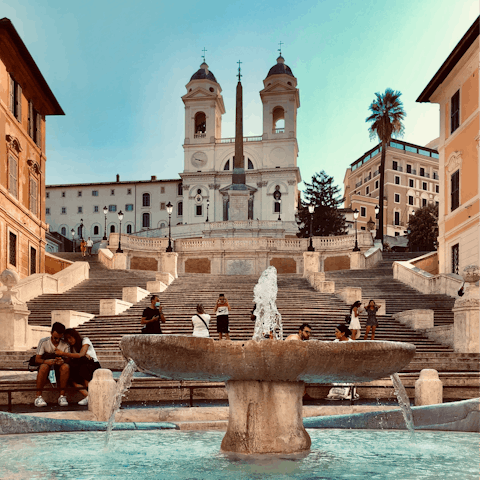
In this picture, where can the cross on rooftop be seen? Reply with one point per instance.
(239, 69)
(204, 50)
(280, 49)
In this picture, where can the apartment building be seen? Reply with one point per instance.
(411, 181)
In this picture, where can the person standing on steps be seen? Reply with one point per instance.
(83, 247)
(200, 322)
(221, 310)
(89, 246)
(152, 316)
(354, 326)
(372, 322)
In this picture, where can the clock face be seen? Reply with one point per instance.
(199, 159)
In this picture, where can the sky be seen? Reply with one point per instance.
(119, 70)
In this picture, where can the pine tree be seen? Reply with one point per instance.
(327, 220)
(423, 229)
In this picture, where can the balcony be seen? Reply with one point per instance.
(427, 175)
(200, 135)
(279, 130)
(376, 172)
(358, 184)
(245, 139)
(435, 176)
(366, 179)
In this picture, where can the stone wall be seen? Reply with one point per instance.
(341, 262)
(144, 263)
(284, 264)
(55, 264)
(197, 265)
(427, 263)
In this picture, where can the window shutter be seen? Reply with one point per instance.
(19, 103)
(12, 95)
(38, 135)
(12, 171)
(30, 119)
(33, 196)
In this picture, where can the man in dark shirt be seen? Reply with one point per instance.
(152, 316)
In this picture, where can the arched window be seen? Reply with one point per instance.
(146, 199)
(200, 125)
(250, 165)
(112, 228)
(63, 231)
(146, 220)
(227, 165)
(179, 209)
(129, 228)
(95, 230)
(278, 120)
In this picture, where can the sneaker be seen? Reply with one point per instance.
(62, 401)
(84, 401)
(40, 402)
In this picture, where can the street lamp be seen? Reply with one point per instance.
(355, 216)
(378, 236)
(169, 211)
(81, 228)
(105, 211)
(72, 231)
(311, 209)
(120, 217)
(208, 204)
(279, 208)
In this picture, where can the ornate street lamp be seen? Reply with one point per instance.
(379, 235)
(72, 231)
(311, 209)
(208, 204)
(355, 216)
(169, 211)
(120, 217)
(371, 226)
(279, 208)
(105, 211)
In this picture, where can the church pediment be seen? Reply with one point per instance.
(199, 93)
(225, 190)
(278, 87)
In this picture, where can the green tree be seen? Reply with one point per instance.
(327, 220)
(385, 120)
(423, 229)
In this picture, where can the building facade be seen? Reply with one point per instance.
(25, 101)
(455, 87)
(411, 181)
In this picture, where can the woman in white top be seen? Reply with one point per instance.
(201, 321)
(355, 319)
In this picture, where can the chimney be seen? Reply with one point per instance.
(118, 177)
(153, 178)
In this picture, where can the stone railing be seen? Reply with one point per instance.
(343, 242)
(130, 242)
(373, 256)
(244, 224)
(245, 139)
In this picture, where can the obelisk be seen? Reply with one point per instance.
(238, 193)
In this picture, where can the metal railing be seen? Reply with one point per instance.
(245, 139)
(279, 130)
(200, 135)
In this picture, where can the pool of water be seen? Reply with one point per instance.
(335, 454)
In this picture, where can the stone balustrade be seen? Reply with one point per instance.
(133, 242)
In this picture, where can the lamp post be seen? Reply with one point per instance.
(120, 217)
(105, 211)
(311, 209)
(377, 210)
(72, 231)
(81, 228)
(169, 211)
(208, 204)
(355, 216)
(279, 208)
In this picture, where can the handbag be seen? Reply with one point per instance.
(348, 318)
(206, 326)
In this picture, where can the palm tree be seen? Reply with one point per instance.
(386, 121)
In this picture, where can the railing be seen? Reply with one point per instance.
(200, 135)
(279, 130)
(138, 243)
(427, 175)
(376, 172)
(358, 184)
(366, 179)
(245, 139)
(435, 176)
(414, 172)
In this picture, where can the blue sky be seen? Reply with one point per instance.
(119, 69)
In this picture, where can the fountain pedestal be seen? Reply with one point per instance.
(265, 417)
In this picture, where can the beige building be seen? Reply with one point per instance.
(411, 181)
(25, 100)
(455, 87)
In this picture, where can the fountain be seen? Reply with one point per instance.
(265, 380)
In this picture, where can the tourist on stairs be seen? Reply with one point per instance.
(304, 332)
(372, 322)
(221, 310)
(152, 316)
(200, 322)
(48, 359)
(354, 326)
(83, 247)
(82, 359)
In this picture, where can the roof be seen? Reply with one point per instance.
(280, 68)
(463, 45)
(9, 35)
(65, 185)
(203, 73)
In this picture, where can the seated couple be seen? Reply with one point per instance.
(73, 359)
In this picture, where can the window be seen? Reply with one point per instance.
(397, 218)
(435, 175)
(33, 196)
(437, 189)
(96, 230)
(47, 211)
(15, 99)
(64, 210)
(376, 184)
(397, 180)
(411, 183)
(276, 207)
(409, 168)
(13, 176)
(129, 228)
(250, 165)
(367, 190)
(146, 220)
(424, 202)
(33, 261)
(12, 252)
(179, 189)
(363, 212)
(94, 193)
(95, 209)
(112, 228)
(199, 210)
(180, 209)
(394, 165)
(397, 198)
(80, 210)
(397, 234)
(410, 200)
(129, 207)
(424, 186)
(129, 191)
(34, 124)
(422, 172)
(455, 111)
(163, 206)
(79, 231)
(112, 208)
(146, 199)
(63, 231)
(162, 189)
(227, 165)
(362, 228)
(79, 193)
(455, 190)
(455, 258)
(112, 191)
(63, 194)
(200, 125)
(47, 195)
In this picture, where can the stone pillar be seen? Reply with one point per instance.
(121, 261)
(265, 417)
(428, 388)
(168, 263)
(466, 314)
(101, 394)
(311, 263)
(357, 261)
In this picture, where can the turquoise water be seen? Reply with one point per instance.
(335, 454)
